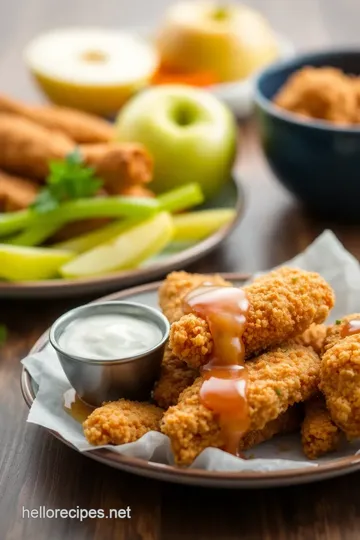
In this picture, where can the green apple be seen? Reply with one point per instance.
(230, 41)
(190, 134)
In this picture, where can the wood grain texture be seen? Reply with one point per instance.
(36, 469)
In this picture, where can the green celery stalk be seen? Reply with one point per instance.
(13, 222)
(181, 198)
(36, 234)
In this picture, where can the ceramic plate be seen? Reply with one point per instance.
(174, 257)
(147, 294)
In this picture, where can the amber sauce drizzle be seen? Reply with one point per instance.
(350, 328)
(225, 375)
(75, 407)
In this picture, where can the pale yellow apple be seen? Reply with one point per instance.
(231, 41)
(92, 69)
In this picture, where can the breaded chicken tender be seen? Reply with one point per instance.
(120, 165)
(319, 434)
(175, 376)
(120, 422)
(313, 337)
(177, 285)
(334, 331)
(287, 422)
(340, 383)
(79, 126)
(283, 304)
(325, 93)
(27, 148)
(276, 380)
(16, 193)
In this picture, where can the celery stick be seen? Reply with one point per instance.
(198, 225)
(135, 207)
(18, 263)
(181, 198)
(36, 234)
(126, 250)
(13, 222)
(87, 241)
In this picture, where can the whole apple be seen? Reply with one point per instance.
(190, 134)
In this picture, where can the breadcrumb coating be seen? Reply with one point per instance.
(175, 376)
(287, 422)
(313, 337)
(120, 422)
(334, 331)
(177, 285)
(283, 304)
(340, 383)
(319, 434)
(276, 380)
(326, 93)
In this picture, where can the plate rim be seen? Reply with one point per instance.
(143, 467)
(123, 278)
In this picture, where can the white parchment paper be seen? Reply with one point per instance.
(328, 257)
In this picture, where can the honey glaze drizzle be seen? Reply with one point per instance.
(350, 328)
(75, 407)
(224, 388)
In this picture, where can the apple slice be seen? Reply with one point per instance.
(198, 225)
(127, 250)
(18, 263)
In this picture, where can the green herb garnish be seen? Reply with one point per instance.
(3, 334)
(68, 180)
(294, 279)
(278, 392)
(338, 321)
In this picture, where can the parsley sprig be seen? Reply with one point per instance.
(68, 179)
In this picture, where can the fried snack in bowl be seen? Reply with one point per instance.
(319, 434)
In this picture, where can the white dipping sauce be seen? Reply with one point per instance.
(107, 337)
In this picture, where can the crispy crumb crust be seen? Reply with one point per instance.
(314, 337)
(283, 304)
(276, 380)
(340, 383)
(334, 331)
(175, 376)
(176, 286)
(120, 422)
(319, 434)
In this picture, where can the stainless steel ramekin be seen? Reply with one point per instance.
(97, 381)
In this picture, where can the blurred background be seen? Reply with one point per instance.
(308, 24)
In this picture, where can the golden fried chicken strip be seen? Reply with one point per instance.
(334, 331)
(319, 434)
(120, 165)
(325, 93)
(79, 126)
(287, 422)
(276, 380)
(175, 376)
(27, 148)
(120, 422)
(16, 193)
(177, 285)
(283, 304)
(340, 383)
(313, 337)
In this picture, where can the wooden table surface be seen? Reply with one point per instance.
(35, 468)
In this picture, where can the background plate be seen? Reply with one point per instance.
(147, 294)
(231, 195)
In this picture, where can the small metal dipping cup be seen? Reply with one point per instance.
(97, 381)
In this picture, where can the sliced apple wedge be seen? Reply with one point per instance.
(127, 250)
(19, 263)
(198, 225)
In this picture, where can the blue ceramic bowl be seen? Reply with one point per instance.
(317, 161)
